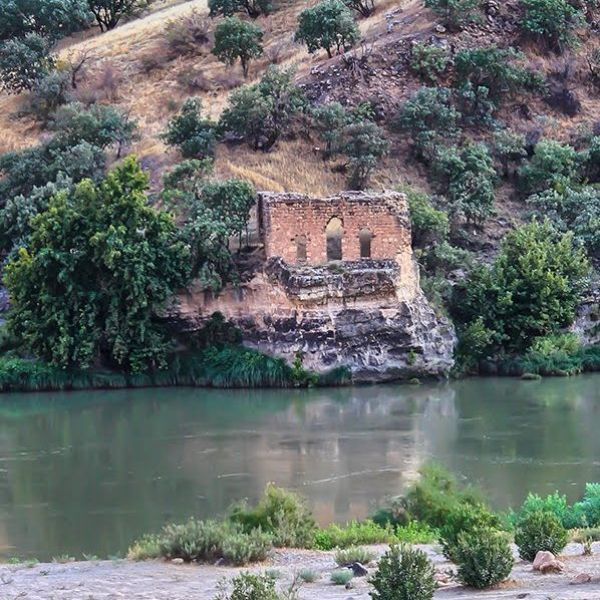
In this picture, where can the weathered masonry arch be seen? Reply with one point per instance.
(364, 239)
(334, 233)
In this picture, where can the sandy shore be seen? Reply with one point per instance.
(156, 580)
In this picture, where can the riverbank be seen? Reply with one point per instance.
(159, 580)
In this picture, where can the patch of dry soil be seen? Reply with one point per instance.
(155, 580)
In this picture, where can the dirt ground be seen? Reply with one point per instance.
(154, 580)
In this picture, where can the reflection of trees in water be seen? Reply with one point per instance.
(94, 471)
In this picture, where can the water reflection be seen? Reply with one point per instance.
(88, 472)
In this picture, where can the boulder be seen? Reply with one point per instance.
(546, 562)
(581, 578)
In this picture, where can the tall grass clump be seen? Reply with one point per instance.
(355, 554)
(353, 534)
(282, 514)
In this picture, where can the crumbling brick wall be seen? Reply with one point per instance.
(295, 227)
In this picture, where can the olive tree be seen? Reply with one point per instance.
(24, 61)
(108, 13)
(189, 131)
(365, 145)
(328, 25)
(253, 8)
(235, 39)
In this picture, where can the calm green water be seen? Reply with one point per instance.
(89, 472)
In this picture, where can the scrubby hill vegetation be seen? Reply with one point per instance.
(485, 114)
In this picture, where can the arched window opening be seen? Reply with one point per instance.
(334, 233)
(301, 248)
(365, 237)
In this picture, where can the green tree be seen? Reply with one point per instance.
(532, 290)
(330, 24)
(235, 39)
(260, 114)
(365, 145)
(553, 21)
(24, 61)
(194, 135)
(100, 267)
(466, 176)
(108, 13)
(253, 8)
(328, 121)
(49, 18)
(455, 14)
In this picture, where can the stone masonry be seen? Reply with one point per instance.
(289, 220)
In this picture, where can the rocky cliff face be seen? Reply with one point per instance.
(369, 316)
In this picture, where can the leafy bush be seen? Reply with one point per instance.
(532, 289)
(354, 554)
(280, 513)
(508, 149)
(538, 531)
(253, 8)
(23, 62)
(455, 14)
(552, 21)
(330, 24)
(235, 39)
(428, 223)
(404, 573)
(249, 586)
(553, 503)
(494, 68)
(49, 93)
(429, 61)
(193, 134)
(308, 575)
(260, 114)
(552, 166)
(464, 519)
(466, 176)
(365, 145)
(352, 534)
(483, 557)
(329, 121)
(428, 117)
(341, 577)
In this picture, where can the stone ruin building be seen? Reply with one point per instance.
(338, 285)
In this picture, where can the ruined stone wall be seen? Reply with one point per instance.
(289, 219)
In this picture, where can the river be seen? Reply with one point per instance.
(87, 472)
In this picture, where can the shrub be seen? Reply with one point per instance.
(49, 93)
(352, 534)
(552, 166)
(553, 21)
(341, 577)
(248, 586)
(587, 511)
(329, 121)
(354, 554)
(455, 14)
(428, 223)
(260, 114)
(428, 117)
(330, 24)
(235, 39)
(466, 176)
(404, 573)
(553, 503)
(226, 8)
(308, 575)
(23, 62)
(483, 557)
(211, 540)
(193, 134)
(146, 548)
(187, 34)
(429, 61)
(365, 145)
(538, 531)
(493, 68)
(464, 519)
(508, 149)
(280, 513)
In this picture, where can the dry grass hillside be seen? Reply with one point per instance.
(133, 68)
